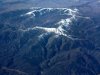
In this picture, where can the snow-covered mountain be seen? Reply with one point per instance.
(49, 41)
(45, 41)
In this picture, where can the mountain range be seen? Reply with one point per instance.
(50, 37)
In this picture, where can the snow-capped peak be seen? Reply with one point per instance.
(62, 23)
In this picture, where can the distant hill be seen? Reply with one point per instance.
(9, 5)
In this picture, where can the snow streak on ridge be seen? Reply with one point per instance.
(63, 23)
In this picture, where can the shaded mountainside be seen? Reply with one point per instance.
(45, 41)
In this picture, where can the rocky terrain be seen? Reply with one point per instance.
(50, 39)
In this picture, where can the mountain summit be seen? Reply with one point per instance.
(45, 38)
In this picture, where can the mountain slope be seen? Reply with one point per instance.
(45, 41)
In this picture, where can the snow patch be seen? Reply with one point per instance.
(63, 23)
